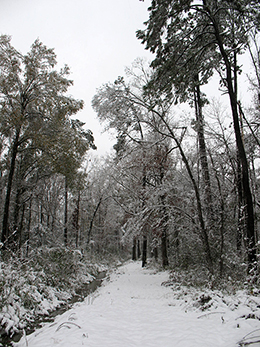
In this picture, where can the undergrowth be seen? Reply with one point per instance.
(42, 282)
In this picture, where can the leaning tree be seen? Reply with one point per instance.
(191, 39)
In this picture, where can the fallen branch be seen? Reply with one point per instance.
(210, 313)
(243, 344)
(245, 341)
(67, 325)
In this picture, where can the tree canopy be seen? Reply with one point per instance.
(35, 116)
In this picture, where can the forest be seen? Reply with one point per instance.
(181, 187)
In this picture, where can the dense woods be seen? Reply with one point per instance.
(42, 147)
(181, 186)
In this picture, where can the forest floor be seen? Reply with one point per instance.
(140, 307)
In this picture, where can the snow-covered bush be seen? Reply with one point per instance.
(41, 283)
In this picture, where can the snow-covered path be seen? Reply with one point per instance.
(133, 309)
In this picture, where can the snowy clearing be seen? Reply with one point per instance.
(133, 308)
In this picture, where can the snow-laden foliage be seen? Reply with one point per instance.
(36, 286)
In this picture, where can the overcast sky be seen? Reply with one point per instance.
(95, 38)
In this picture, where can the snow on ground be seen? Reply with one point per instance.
(133, 309)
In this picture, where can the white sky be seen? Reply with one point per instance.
(95, 38)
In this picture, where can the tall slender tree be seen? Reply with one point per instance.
(190, 36)
(153, 113)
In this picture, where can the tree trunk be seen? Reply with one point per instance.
(134, 249)
(5, 225)
(144, 253)
(240, 206)
(75, 220)
(138, 249)
(255, 194)
(221, 214)
(241, 202)
(20, 229)
(15, 241)
(144, 231)
(164, 237)
(16, 209)
(29, 227)
(202, 150)
(176, 245)
(155, 253)
(165, 261)
(250, 229)
(66, 213)
(203, 231)
(92, 220)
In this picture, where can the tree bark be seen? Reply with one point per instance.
(144, 253)
(221, 214)
(29, 227)
(75, 220)
(5, 225)
(202, 149)
(66, 213)
(165, 261)
(138, 249)
(134, 249)
(144, 231)
(155, 253)
(164, 238)
(20, 228)
(240, 206)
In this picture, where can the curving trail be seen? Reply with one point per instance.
(133, 309)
